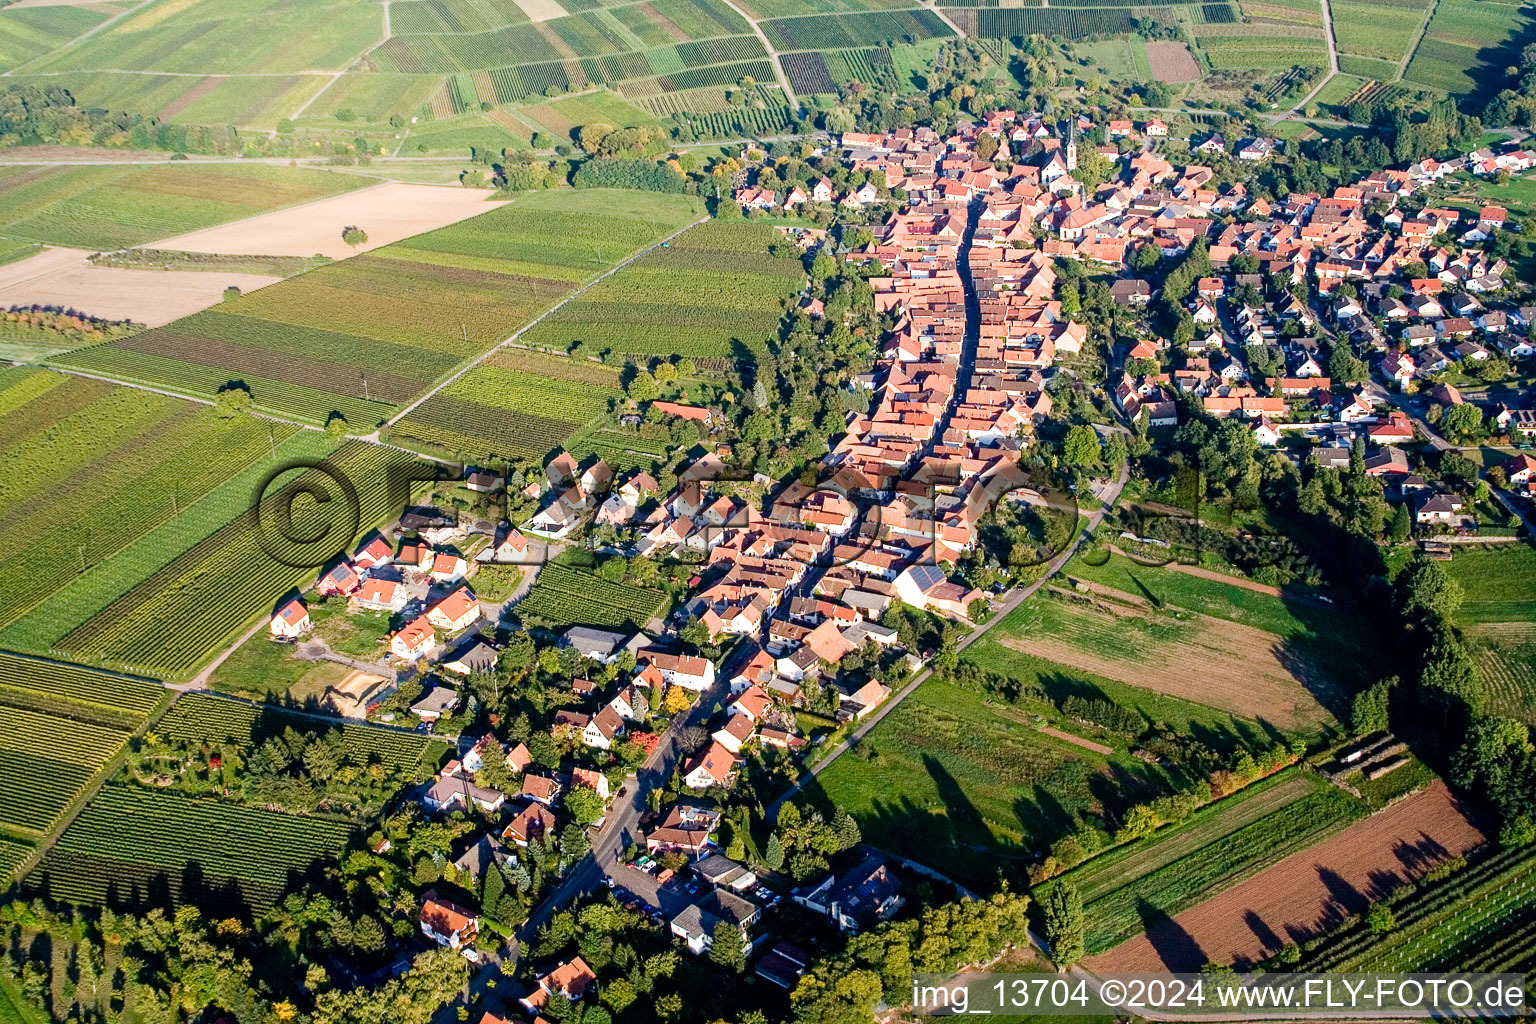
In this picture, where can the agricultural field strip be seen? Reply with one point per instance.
(1432, 921)
(76, 692)
(200, 717)
(189, 453)
(480, 359)
(215, 588)
(1219, 865)
(1109, 871)
(135, 834)
(59, 612)
(564, 594)
(423, 257)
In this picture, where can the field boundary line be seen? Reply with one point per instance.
(1418, 40)
(530, 325)
(84, 35)
(773, 55)
(320, 92)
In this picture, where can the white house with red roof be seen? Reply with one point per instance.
(291, 620)
(414, 640)
(459, 610)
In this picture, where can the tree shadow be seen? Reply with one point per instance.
(1176, 947)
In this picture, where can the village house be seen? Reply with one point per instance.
(414, 640)
(860, 897)
(290, 621)
(449, 924)
(458, 611)
(571, 979)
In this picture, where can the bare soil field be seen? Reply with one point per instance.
(1172, 62)
(1307, 892)
(63, 277)
(1221, 664)
(1079, 741)
(541, 10)
(387, 213)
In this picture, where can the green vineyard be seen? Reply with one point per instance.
(1482, 918)
(565, 596)
(213, 590)
(45, 763)
(76, 692)
(368, 334)
(204, 718)
(130, 844)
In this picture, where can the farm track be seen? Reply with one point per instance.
(1402, 65)
(480, 359)
(1333, 67)
(773, 55)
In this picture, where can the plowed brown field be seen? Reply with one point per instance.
(1308, 891)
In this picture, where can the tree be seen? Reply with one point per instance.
(674, 700)
(1461, 422)
(773, 855)
(1380, 918)
(233, 399)
(1369, 713)
(1115, 451)
(1402, 525)
(584, 804)
(847, 830)
(1062, 906)
(1426, 589)
(1081, 447)
(336, 425)
(727, 948)
(643, 388)
(354, 236)
(1344, 365)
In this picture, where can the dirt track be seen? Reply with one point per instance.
(1306, 892)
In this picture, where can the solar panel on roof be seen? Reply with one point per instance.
(927, 576)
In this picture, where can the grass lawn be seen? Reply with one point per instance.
(1120, 59)
(948, 779)
(1498, 581)
(1279, 615)
(496, 582)
(356, 634)
(261, 669)
(1289, 663)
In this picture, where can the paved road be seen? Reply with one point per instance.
(1110, 493)
(623, 821)
(1107, 493)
